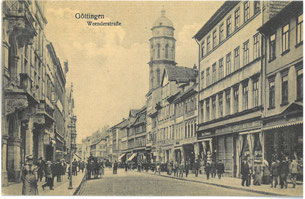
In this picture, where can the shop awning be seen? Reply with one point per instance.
(132, 157)
(283, 125)
(121, 156)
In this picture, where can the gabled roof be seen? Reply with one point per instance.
(179, 73)
(141, 119)
(183, 95)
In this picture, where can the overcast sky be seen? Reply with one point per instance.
(108, 65)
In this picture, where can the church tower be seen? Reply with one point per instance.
(162, 49)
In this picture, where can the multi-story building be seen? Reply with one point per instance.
(230, 103)
(230, 84)
(283, 85)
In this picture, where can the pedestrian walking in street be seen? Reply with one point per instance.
(197, 166)
(274, 173)
(181, 168)
(28, 177)
(74, 167)
(41, 168)
(208, 170)
(213, 169)
(175, 168)
(49, 176)
(115, 167)
(58, 170)
(257, 176)
(187, 167)
(220, 168)
(284, 171)
(293, 169)
(245, 171)
(159, 168)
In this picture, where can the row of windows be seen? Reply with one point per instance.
(209, 45)
(284, 88)
(224, 101)
(166, 50)
(286, 38)
(212, 78)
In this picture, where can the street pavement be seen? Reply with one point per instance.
(144, 184)
(60, 188)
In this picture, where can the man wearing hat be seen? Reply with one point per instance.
(49, 176)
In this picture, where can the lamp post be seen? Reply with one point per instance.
(70, 179)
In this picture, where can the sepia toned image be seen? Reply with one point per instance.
(152, 98)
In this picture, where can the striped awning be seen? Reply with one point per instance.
(283, 125)
(131, 157)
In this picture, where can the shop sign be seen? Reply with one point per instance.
(204, 134)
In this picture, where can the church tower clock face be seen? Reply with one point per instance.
(162, 50)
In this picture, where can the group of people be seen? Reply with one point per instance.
(34, 171)
(278, 173)
(95, 167)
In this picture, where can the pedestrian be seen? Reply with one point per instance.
(245, 171)
(250, 172)
(83, 166)
(197, 166)
(41, 168)
(213, 169)
(115, 167)
(208, 170)
(181, 168)
(187, 167)
(49, 176)
(220, 168)
(274, 173)
(28, 177)
(284, 171)
(257, 177)
(175, 169)
(293, 169)
(58, 168)
(74, 167)
(101, 168)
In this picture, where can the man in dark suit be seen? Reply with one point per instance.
(245, 171)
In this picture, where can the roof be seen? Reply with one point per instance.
(180, 73)
(292, 9)
(134, 112)
(189, 92)
(163, 21)
(141, 119)
(216, 18)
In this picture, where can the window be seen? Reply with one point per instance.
(228, 64)
(221, 36)
(214, 39)
(202, 49)
(300, 84)
(255, 92)
(235, 95)
(229, 26)
(272, 47)
(228, 102)
(257, 7)
(158, 77)
(166, 51)
(236, 58)
(214, 73)
(158, 51)
(245, 96)
(220, 71)
(237, 18)
(285, 89)
(271, 94)
(285, 38)
(300, 29)
(220, 105)
(208, 109)
(214, 107)
(246, 11)
(256, 46)
(202, 79)
(208, 77)
(246, 53)
(201, 111)
(208, 43)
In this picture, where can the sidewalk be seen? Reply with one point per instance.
(235, 183)
(60, 188)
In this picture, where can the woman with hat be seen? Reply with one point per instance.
(49, 176)
(28, 178)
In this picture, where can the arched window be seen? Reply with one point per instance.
(166, 51)
(159, 50)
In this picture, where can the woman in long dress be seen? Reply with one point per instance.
(115, 167)
(29, 180)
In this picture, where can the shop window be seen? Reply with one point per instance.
(300, 29)
(300, 84)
